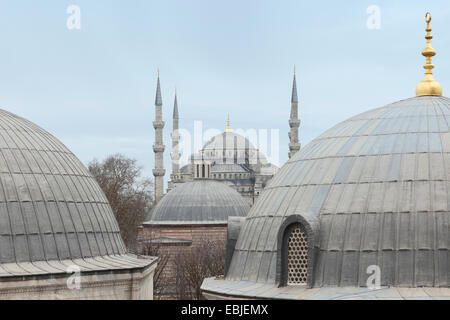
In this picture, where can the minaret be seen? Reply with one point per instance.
(158, 147)
(175, 155)
(428, 86)
(294, 122)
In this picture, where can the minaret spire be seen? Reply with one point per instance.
(428, 86)
(294, 122)
(158, 147)
(175, 106)
(294, 97)
(175, 155)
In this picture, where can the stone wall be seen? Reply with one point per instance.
(114, 285)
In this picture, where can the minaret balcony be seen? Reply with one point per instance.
(158, 124)
(294, 146)
(294, 123)
(159, 172)
(159, 148)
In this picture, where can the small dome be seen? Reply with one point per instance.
(199, 201)
(51, 208)
(373, 191)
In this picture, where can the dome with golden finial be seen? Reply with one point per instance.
(369, 198)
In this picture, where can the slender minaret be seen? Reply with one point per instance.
(158, 147)
(294, 122)
(175, 155)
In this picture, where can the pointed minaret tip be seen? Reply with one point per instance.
(228, 129)
(294, 97)
(158, 99)
(175, 106)
(429, 86)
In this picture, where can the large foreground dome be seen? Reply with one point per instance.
(51, 208)
(364, 207)
(55, 220)
(372, 191)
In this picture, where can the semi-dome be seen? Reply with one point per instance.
(199, 202)
(52, 209)
(372, 191)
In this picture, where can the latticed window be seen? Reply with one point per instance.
(297, 256)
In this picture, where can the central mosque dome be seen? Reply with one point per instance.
(372, 191)
(230, 147)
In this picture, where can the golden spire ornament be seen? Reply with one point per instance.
(228, 124)
(428, 86)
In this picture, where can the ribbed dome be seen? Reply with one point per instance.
(199, 201)
(378, 186)
(230, 147)
(51, 208)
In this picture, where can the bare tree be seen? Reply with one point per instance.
(154, 250)
(207, 259)
(128, 193)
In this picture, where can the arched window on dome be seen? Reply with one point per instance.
(297, 255)
(295, 251)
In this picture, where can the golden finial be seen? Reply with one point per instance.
(428, 86)
(228, 124)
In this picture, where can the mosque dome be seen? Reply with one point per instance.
(230, 147)
(199, 202)
(371, 191)
(52, 209)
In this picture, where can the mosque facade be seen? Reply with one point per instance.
(229, 158)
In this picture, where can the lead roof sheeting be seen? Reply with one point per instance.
(100, 263)
(50, 204)
(199, 201)
(385, 194)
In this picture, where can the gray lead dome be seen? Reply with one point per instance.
(51, 208)
(374, 189)
(199, 201)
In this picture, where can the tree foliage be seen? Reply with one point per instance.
(129, 195)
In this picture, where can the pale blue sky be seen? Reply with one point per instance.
(94, 88)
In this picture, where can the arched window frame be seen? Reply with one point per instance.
(310, 228)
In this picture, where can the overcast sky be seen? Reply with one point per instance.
(94, 88)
